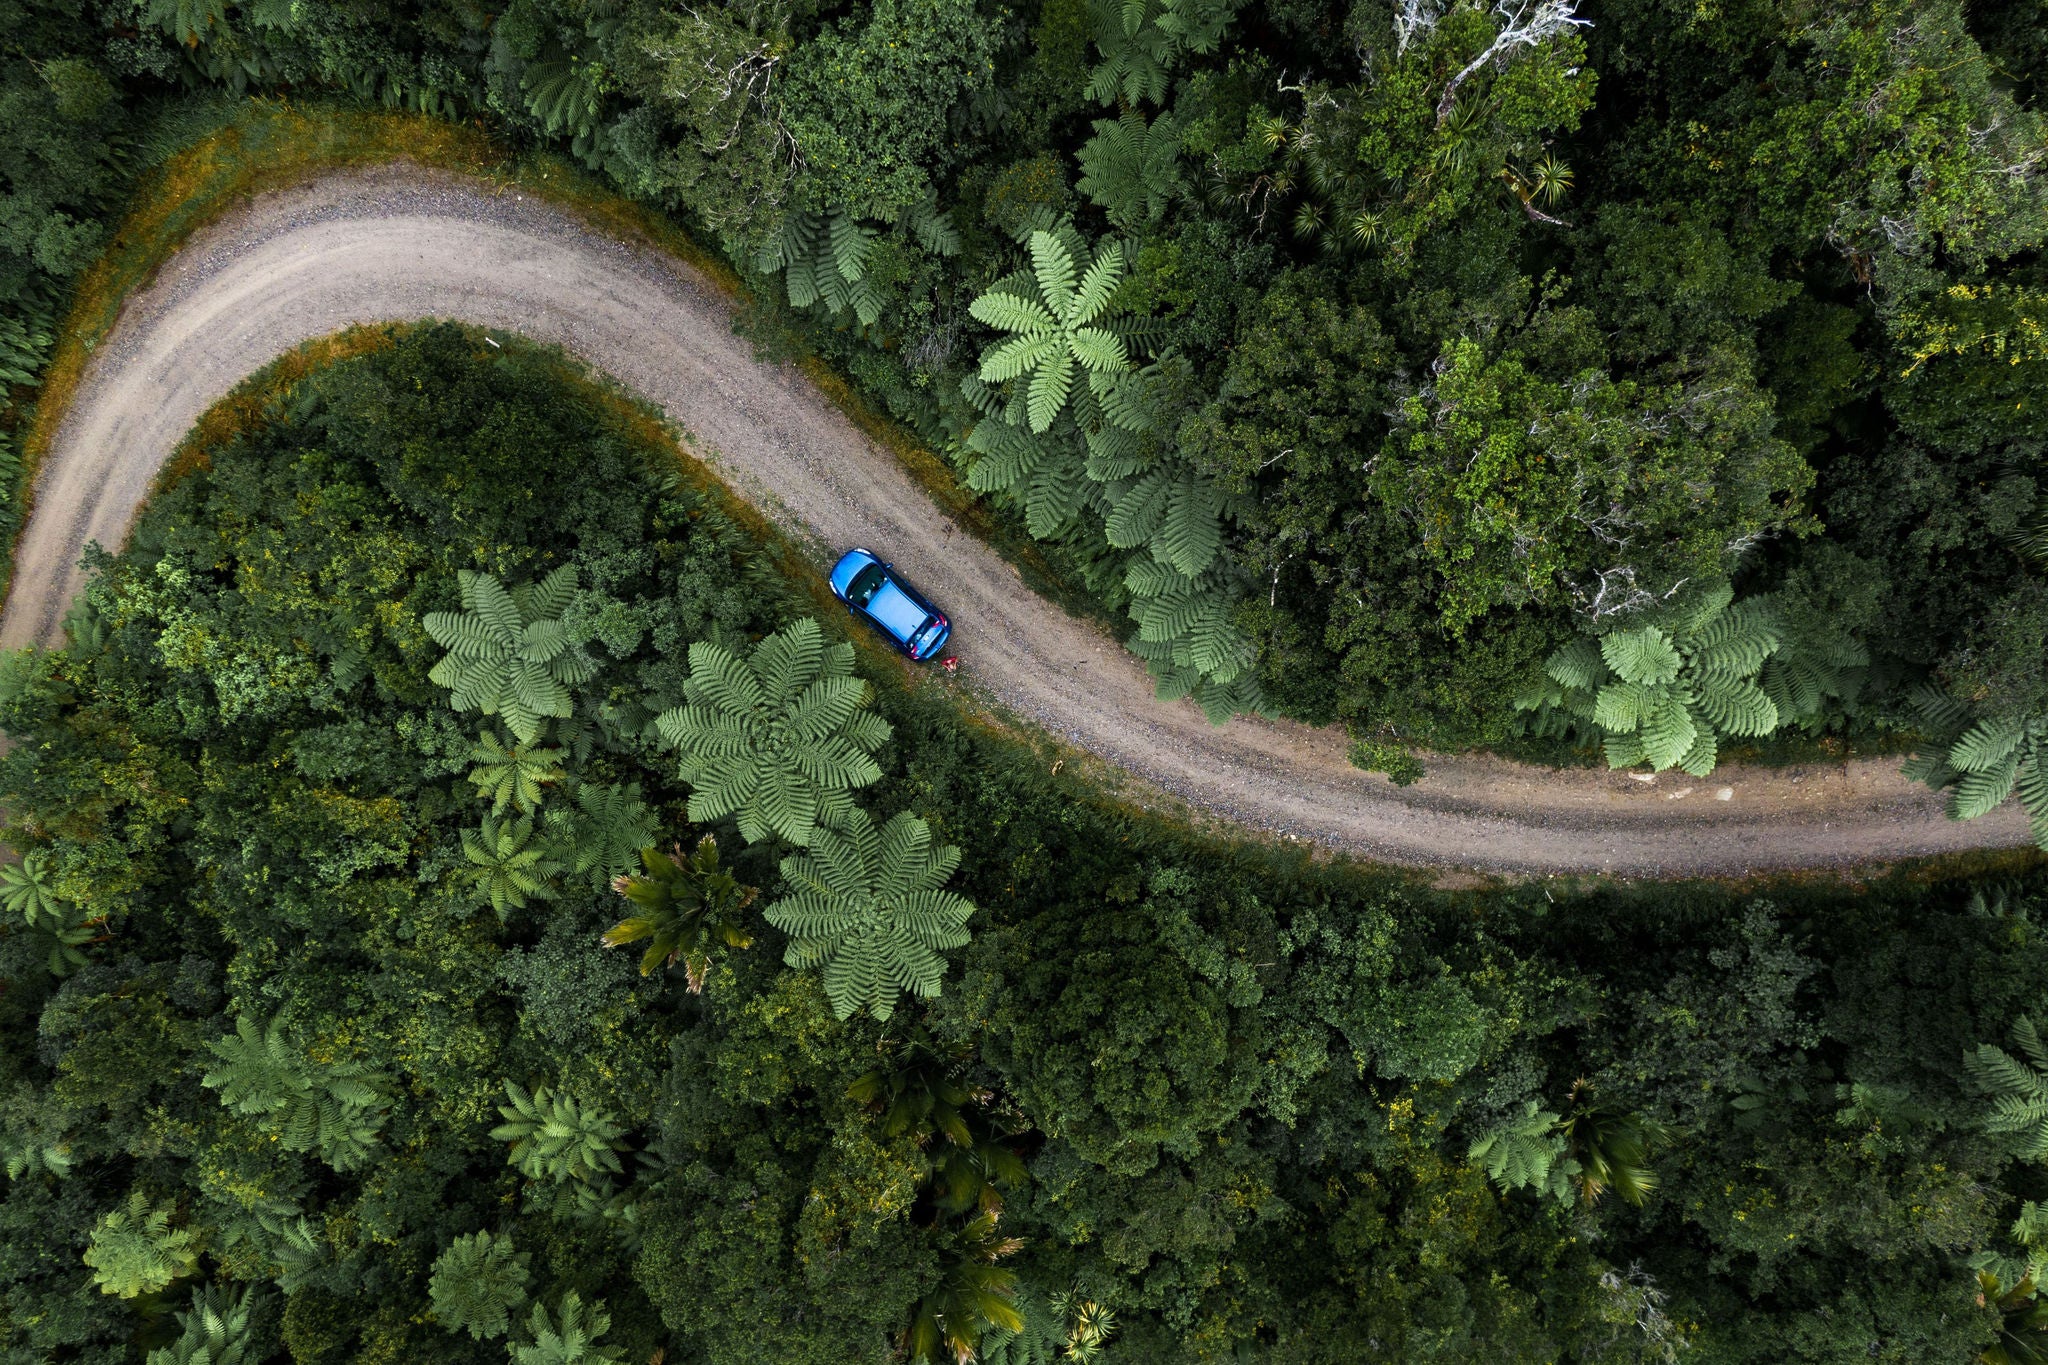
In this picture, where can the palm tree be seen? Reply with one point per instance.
(2019, 1089)
(917, 1094)
(1661, 694)
(685, 904)
(973, 1296)
(1612, 1148)
(2022, 1321)
(28, 889)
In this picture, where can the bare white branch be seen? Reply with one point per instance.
(1523, 24)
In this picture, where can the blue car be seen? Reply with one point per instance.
(876, 593)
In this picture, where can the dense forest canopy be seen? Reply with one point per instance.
(469, 906)
(400, 971)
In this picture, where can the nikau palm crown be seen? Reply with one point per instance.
(778, 740)
(509, 654)
(865, 903)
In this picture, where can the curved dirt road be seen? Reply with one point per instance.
(400, 244)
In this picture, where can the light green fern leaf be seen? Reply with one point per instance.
(1645, 655)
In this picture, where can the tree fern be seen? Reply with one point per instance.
(2018, 1089)
(135, 1251)
(24, 346)
(1189, 639)
(684, 905)
(512, 777)
(35, 1136)
(865, 905)
(269, 1238)
(565, 94)
(478, 1285)
(777, 740)
(215, 1330)
(508, 863)
(1664, 693)
(1059, 316)
(601, 835)
(509, 653)
(1529, 1151)
(1131, 168)
(2027, 1270)
(555, 1138)
(824, 258)
(1043, 473)
(1140, 41)
(569, 1337)
(28, 890)
(333, 1108)
(1174, 509)
(932, 226)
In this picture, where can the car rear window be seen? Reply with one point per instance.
(864, 584)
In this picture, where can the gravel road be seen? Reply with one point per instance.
(401, 244)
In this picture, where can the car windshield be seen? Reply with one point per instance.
(864, 584)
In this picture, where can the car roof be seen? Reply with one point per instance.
(897, 611)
